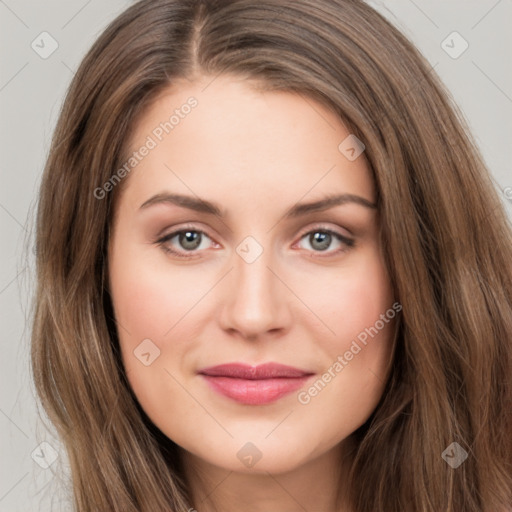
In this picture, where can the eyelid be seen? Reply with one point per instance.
(323, 227)
(191, 226)
(181, 229)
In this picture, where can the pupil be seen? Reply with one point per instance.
(190, 239)
(320, 241)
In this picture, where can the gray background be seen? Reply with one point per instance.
(31, 92)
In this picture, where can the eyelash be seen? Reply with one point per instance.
(348, 242)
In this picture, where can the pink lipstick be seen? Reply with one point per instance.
(254, 385)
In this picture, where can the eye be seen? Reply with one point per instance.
(184, 241)
(321, 240)
(188, 242)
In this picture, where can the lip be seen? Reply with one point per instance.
(254, 385)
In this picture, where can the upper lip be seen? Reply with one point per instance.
(259, 372)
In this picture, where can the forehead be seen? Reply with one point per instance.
(222, 138)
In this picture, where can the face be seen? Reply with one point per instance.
(224, 252)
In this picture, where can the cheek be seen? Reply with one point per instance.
(357, 356)
(150, 298)
(156, 303)
(350, 300)
(356, 305)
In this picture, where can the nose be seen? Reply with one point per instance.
(256, 300)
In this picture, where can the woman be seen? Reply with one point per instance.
(273, 273)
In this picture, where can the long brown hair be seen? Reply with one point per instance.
(447, 242)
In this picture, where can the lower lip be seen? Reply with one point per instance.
(255, 392)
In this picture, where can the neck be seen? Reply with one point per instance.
(318, 484)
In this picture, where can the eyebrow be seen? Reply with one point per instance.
(203, 206)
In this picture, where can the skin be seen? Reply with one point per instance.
(255, 154)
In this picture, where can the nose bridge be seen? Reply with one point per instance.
(256, 302)
(254, 280)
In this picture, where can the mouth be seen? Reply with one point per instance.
(254, 385)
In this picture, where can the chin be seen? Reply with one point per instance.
(257, 456)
